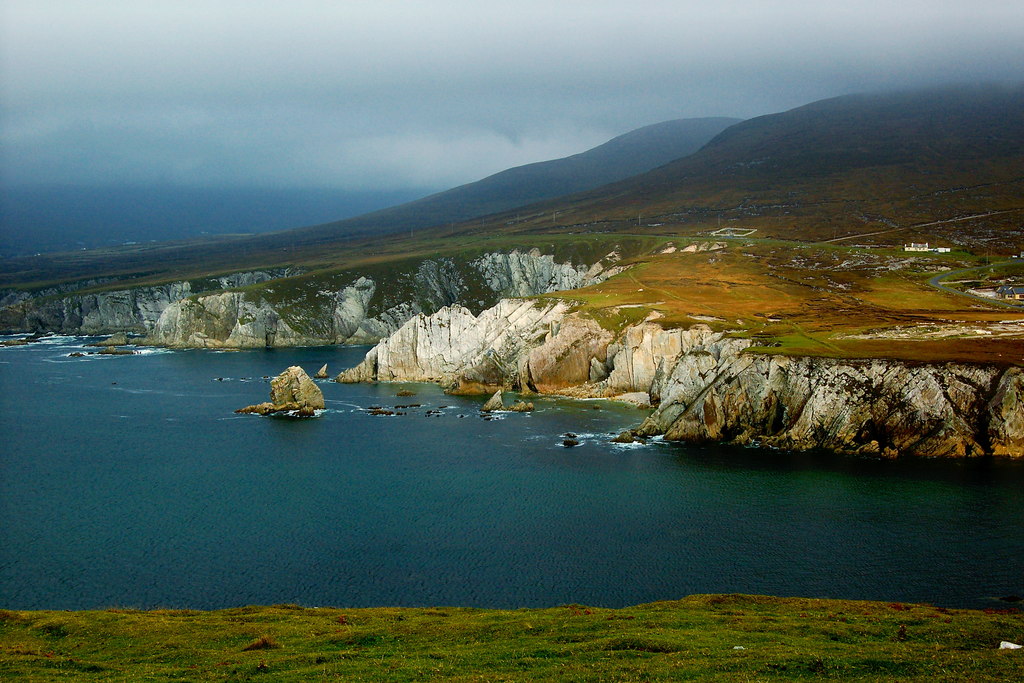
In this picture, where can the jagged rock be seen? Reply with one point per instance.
(290, 392)
(453, 342)
(626, 436)
(569, 443)
(294, 386)
(364, 311)
(709, 390)
(1006, 411)
(322, 372)
(565, 358)
(493, 403)
(522, 407)
(131, 310)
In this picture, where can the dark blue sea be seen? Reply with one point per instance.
(128, 481)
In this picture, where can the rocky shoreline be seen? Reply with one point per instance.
(283, 308)
(706, 387)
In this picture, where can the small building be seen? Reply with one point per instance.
(942, 250)
(914, 246)
(1010, 292)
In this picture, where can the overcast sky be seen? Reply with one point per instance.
(362, 95)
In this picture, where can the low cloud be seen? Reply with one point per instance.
(433, 94)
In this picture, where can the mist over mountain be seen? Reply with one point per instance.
(621, 157)
(949, 159)
(41, 219)
(55, 218)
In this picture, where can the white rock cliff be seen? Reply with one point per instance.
(707, 388)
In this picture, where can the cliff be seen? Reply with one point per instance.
(362, 309)
(289, 308)
(136, 309)
(708, 388)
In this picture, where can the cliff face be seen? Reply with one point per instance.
(124, 310)
(288, 309)
(708, 389)
(363, 310)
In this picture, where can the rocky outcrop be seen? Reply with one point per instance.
(363, 310)
(518, 274)
(453, 345)
(291, 392)
(493, 403)
(870, 407)
(122, 310)
(116, 339)
(707, 388)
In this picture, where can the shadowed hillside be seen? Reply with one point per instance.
(843, 166)
(619, 158)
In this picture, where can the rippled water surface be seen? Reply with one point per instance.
(128, 481)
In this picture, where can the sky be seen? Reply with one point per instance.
(368, 95)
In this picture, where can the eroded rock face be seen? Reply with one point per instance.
(364, 311)
(136, 309)
(453, 344)
(565, 357)
(293, 392)
(870, 407)
(1006, 410)
(294, 386)
(707, 388)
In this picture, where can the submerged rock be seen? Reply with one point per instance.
(290, 392)
(116, 351)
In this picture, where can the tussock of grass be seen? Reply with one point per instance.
(262, 643)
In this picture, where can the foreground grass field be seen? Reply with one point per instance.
(704, 637)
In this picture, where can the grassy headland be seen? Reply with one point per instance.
(704, 637)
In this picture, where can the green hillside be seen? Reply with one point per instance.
(704, 637)
(836, 168)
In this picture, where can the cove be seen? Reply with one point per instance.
(128, 481)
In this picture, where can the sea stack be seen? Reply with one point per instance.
(291, 392)
(494, 403)
(322, 372)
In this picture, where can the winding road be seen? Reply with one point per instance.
(936, 282)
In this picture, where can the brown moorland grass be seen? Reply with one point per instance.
(808, 300)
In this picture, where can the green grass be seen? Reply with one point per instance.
(710, 637)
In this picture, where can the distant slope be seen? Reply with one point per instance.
(860, 161)
(619, 158)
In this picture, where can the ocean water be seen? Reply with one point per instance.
(128, 481)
